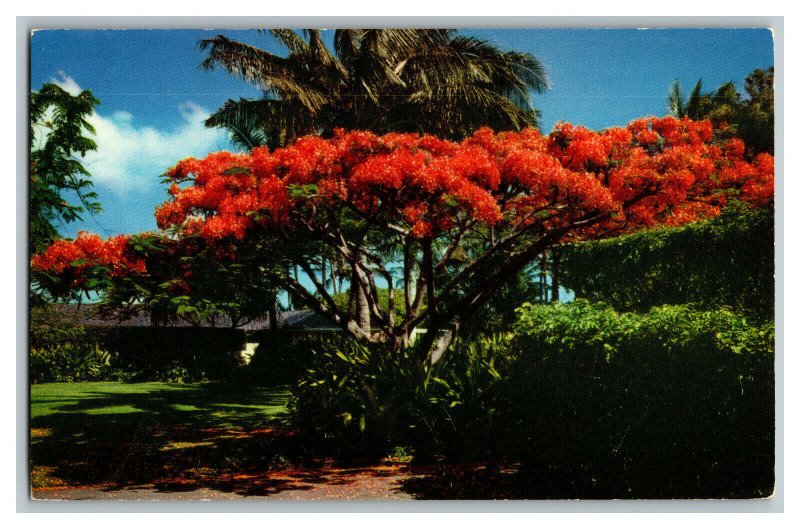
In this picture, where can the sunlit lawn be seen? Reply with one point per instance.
(118, 434)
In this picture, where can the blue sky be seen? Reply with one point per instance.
(154, 97)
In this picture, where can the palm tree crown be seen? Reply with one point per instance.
(405, 80)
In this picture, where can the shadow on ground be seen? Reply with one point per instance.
(168, 435)
(226, 439)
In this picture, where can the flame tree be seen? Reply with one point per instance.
(438, 224)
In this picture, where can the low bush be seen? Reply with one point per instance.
(62, 350)
(182, 354)
(672, 403)
(70, 362)
(361, 400)
(353, 397)
(282, 357)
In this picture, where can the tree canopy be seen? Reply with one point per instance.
(401, 209)
(59, 125)
(381, 80)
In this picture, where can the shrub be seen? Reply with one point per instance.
(362, 400)
(353, 398)
(466, 397)
(728, 261)
(282, 357)
(594, 403)
(672, 403)
(69, 362)
(61, 351)
(184, 354)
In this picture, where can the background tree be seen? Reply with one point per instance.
(370, 198)
(752, 118)
(680, 107)
(57, 136)
(381, 80)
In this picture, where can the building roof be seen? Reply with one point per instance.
(306, 320)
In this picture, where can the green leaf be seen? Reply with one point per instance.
(342, 356)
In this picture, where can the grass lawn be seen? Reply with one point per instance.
(119, 434)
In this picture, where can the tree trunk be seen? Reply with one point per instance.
(555, 297)
(273, 312)
(362, 302)
(543, 276)
(441, 343)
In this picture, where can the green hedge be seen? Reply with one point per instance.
(282, 357)
(61, 350)
(179, 354)
(725, 262)
(672, 403)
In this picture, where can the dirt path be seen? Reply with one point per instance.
(386, 481)
(381, 482)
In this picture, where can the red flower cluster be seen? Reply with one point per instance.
(88, 251)
(654, 171)
(642, 173)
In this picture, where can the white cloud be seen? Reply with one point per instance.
(131, 158)
(67, 83)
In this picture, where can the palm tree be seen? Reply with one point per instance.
(677, 107)
(405, 80)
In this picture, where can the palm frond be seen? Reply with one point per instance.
(270, 122)
(675, 106)
(265, 69)
(291, 40)
(346, 43)
(458, 111)
(695, 100)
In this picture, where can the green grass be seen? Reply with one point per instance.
(123, 434)
(238, 405)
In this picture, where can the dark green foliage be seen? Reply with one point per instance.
(282, 357)
(61, 351)
(467, 400)
(58, 123)
(594, 403)
(675, 403)
(357, 400)
(70, 362)
(176, 354)
(499, 311)
(728, 261)
(352, 399)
